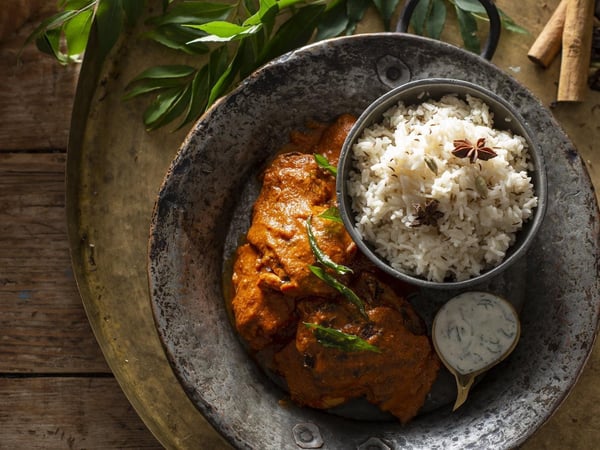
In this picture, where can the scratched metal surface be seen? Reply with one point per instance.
(557, 283)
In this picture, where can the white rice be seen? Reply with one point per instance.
(391, 176)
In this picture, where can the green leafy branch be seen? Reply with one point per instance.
(239, 38)
(234, 39)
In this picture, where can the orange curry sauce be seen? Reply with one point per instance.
(275, 293)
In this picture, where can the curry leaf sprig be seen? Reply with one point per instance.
(237, 38)
(326, 262)
(74, 23)
(234, 38)
(241, 37)
(340, 269)
(326, 336)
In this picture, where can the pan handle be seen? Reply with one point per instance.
(493, 15)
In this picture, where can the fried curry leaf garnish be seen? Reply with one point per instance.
(324, 163)
(321, 256)
(330, 337)
(332, 214)
(340, 287)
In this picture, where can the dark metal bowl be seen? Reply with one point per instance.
(506, 117)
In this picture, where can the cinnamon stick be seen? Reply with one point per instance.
(576, 50)
(548, 43)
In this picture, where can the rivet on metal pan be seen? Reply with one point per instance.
(392, 71)
(307, 435)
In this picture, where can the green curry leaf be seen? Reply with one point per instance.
(73, 23)
(511, 25)
(437, 18)
(324, 163)
(223, 31)
(159, 79)
(386, 9)
(293, 33)
(330, 337)
(166, 107)
(199, 96)
(166, 71)
(109, 20)
(334, 22)
(76, 32)
(340, 287)
(193, 13)
(468, 30)
(332, 214)
(177, 37)
(320, 255)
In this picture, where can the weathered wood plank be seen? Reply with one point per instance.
(69, 413)
(36, 96)
(43, 327)
(15, 13)
(18, 163)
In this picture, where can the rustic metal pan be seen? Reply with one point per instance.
(203, 207)
(114, 168)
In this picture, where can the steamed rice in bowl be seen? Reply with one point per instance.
(405, 162)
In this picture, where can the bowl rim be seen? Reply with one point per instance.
(374, 112)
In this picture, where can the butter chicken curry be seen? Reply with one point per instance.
(281, 308)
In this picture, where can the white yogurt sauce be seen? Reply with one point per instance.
(475, 330)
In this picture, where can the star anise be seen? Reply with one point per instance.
(464, 149)
(428, 214)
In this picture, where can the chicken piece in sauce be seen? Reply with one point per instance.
(275, 293)
(262, 315)
(294, 189)
(396, 379)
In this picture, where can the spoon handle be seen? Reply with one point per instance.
(463, 385)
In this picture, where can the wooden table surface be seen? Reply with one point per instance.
(56, 390)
